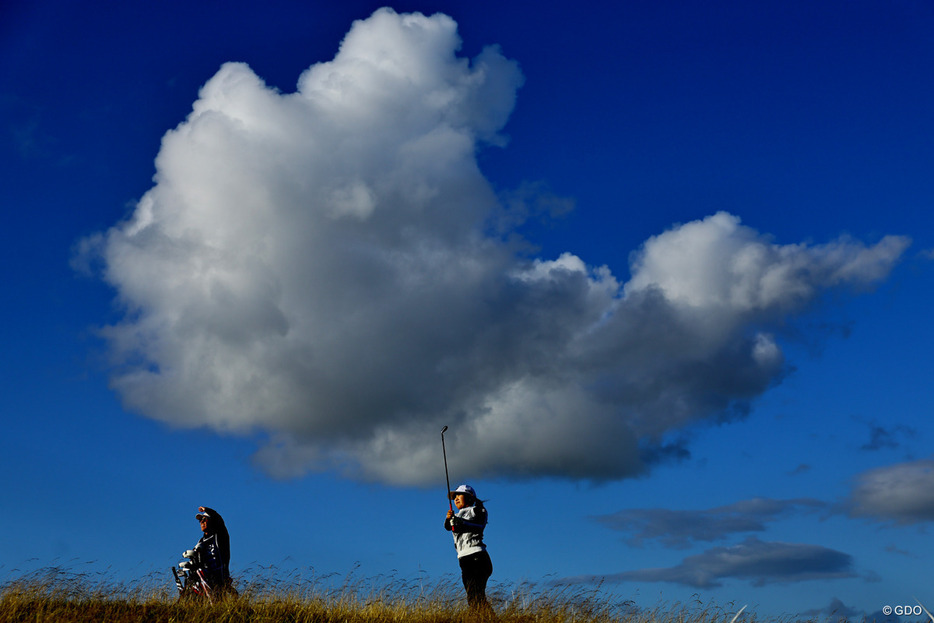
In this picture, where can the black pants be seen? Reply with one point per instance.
(476, 569)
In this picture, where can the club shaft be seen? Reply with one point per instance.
(447, 480)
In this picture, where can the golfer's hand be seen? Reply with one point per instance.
(450, 513)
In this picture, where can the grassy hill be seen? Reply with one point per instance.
(58, 596)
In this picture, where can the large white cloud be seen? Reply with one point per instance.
(316, 268)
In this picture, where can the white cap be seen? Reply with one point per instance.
(465, 489)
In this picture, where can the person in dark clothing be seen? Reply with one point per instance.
(214, 550)
(467, 526)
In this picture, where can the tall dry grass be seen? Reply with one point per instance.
(265, 594)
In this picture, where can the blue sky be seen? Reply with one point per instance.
(664, 271)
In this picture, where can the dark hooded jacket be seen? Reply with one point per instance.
(214, 550)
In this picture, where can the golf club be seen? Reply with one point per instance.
(446, 479)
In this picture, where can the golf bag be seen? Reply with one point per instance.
(190, 577)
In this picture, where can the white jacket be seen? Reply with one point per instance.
(467, 527)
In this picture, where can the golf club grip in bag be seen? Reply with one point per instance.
(189, 577)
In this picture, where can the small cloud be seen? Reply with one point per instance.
(680, 528)
(532, 202)
(803, 468)
(661, 453)
(836, 609)
(902, 493)
(757, 562)
(882, 438)
(894, 549)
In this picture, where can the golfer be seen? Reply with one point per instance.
(467, 527)
(214, 550)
